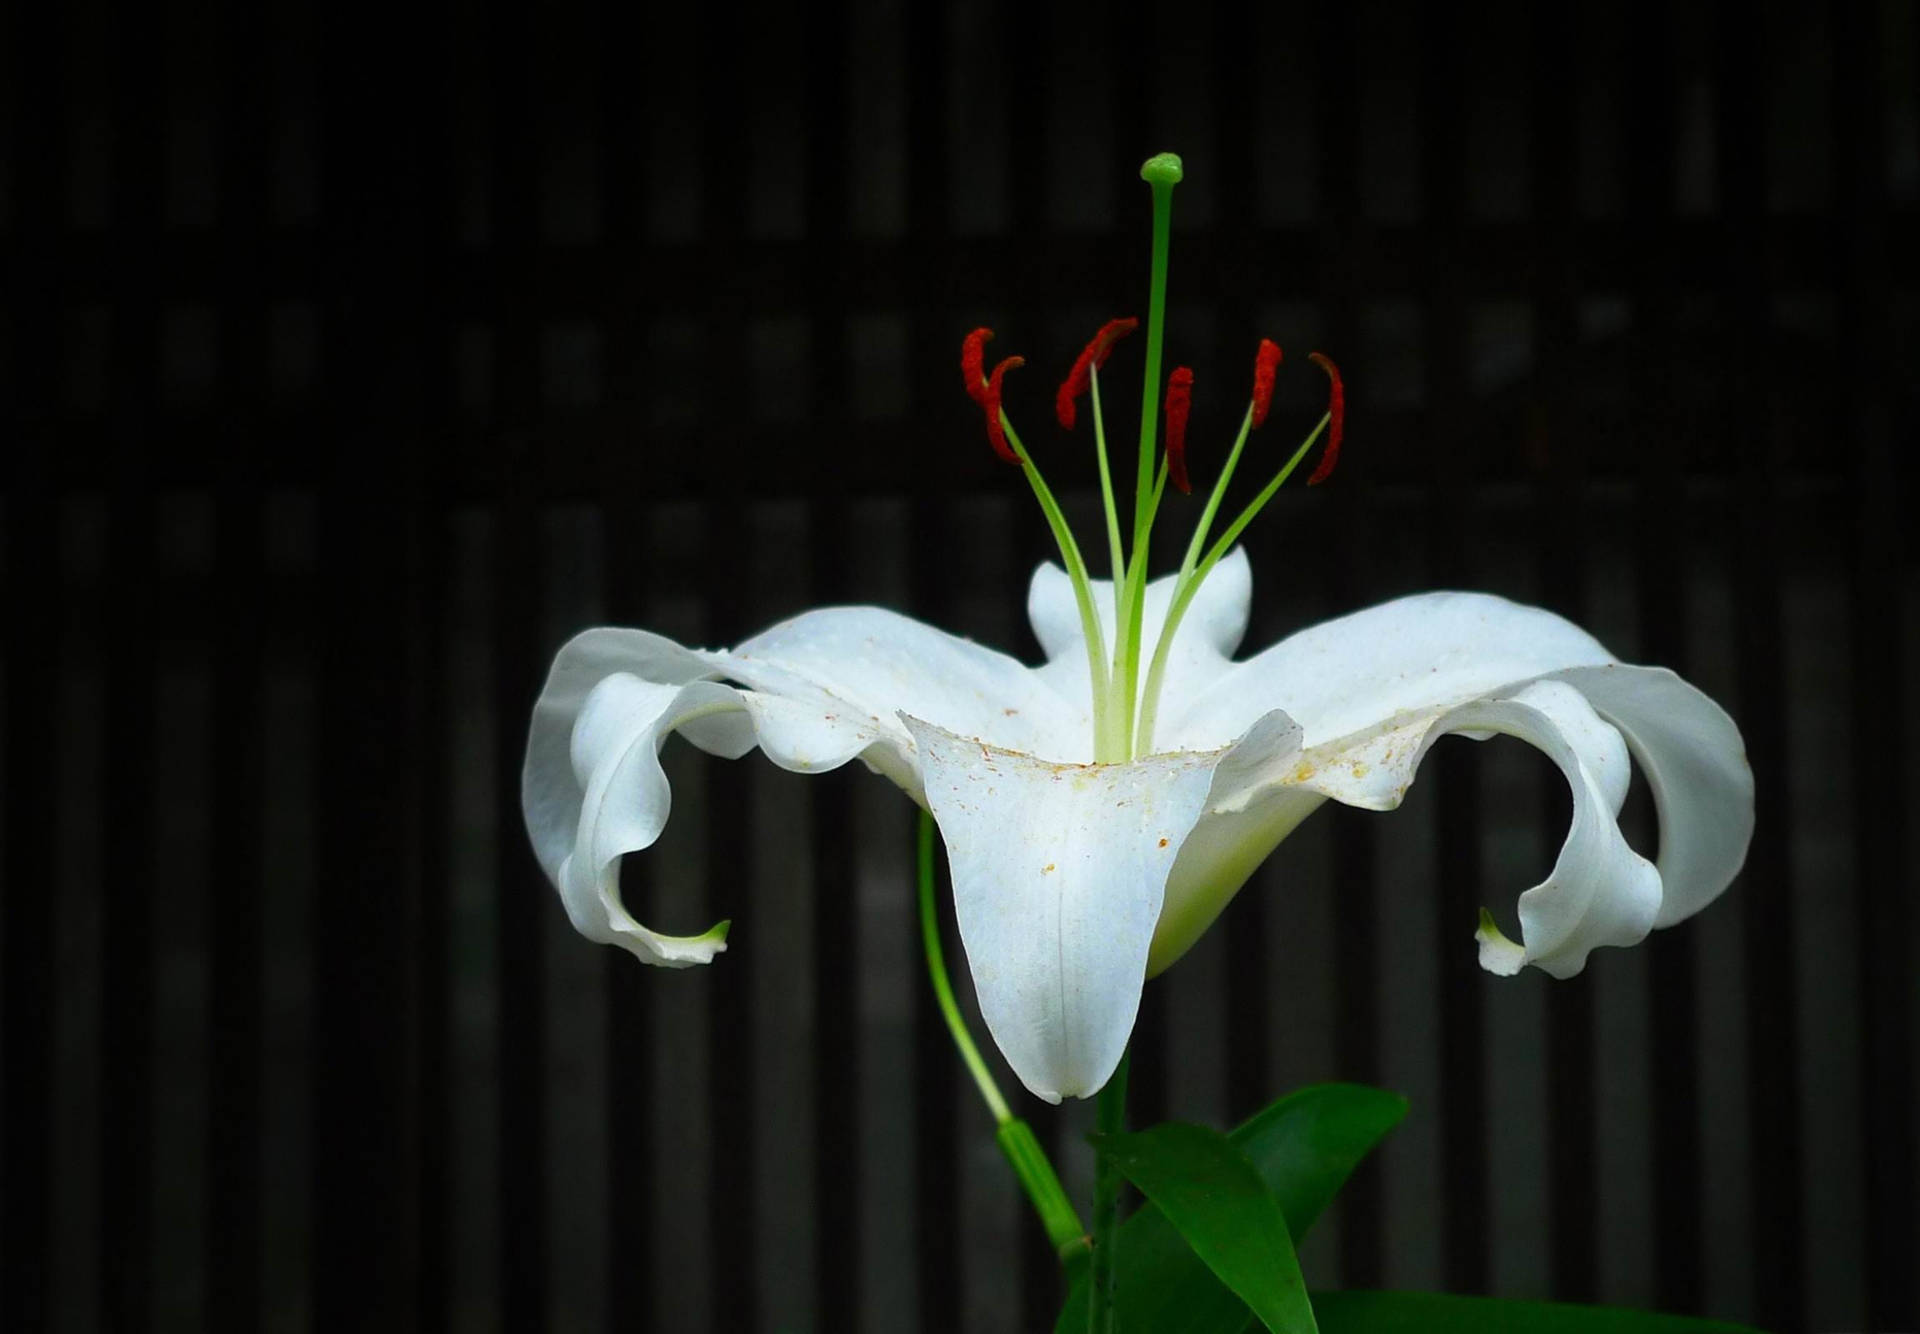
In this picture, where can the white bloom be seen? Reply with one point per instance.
(1075, 881)
(1098, 817)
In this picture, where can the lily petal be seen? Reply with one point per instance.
(1059, 871)
(1346, 675)
(1373, 691)
(824, 688)
(1697, 769)
(1601, 891)
(883, 664)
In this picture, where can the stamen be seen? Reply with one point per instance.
(1265, 362)
(1092, 357)
(990, 402)
(973, 355)
(1179, 405)
(1336, 418)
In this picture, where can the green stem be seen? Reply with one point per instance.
(1016, 1139)
(1110, 1119)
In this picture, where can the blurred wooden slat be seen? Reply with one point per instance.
(1880, 551)
(237, 982)
(372, 322)
(1651, 133)
(128, 944)
(33, 598)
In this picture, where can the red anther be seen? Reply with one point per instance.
(1337, 418)
(1265, 362)
(973, 355)
(1179, 404)
(990, 403)
(1092, 358)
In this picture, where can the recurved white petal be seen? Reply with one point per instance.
(1696, 766)
(1601, 891)
(1059, 873)
(878, 664)
(592, 789)
(1347, 675)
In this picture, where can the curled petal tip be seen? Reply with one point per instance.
(1498, 955)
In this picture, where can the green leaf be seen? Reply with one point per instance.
(1304, 1147)
(1438, 1313)
(1210, 1192)
(1307, 1144)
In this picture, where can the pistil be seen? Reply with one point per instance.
(1117, 697)
(1161, 172)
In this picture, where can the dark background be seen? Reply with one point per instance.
(355, 358)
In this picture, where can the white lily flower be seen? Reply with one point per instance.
(1096, 823)
(1073, 881)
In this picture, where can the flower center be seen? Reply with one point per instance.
(1125, 707)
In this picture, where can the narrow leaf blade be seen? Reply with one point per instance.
(1216, 1200)
(1440, 1313)
(1305, 1146)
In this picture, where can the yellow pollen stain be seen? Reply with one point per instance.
(1163, 842)
(1047, 868)
(1303, 773)
(1359, 769)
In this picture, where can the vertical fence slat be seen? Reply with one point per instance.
(127, 940)
(430, 607)
(631, 1088)
(837, 1237)
(1876, 559)
(516, 456)
(1767, 884)
(1740, 114)
(724, 211)
(1560, 486)
(236, 983)
(1249, 1082)
(1465, 1167)
(363, 1199)
(1339, 239)
(929, 220)
(34, 78)
(1659, 559)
